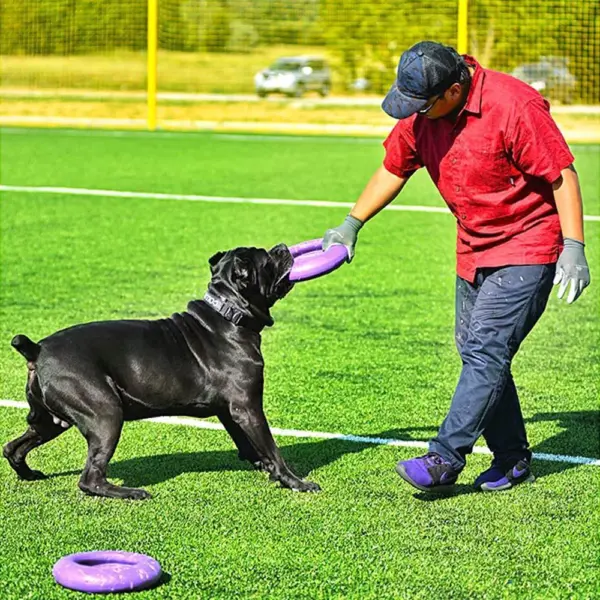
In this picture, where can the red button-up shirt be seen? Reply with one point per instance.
(494, 167)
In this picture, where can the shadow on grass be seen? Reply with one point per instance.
(303, 458)
(579, 437)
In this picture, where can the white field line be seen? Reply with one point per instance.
(219, 199)
(221, 136)
(578, 134)
(190, 135)
(198, 198)
(323, 435)
(190, 124)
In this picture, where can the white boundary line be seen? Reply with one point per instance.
(577, 460)
(572, 135)
(327, 128)
(198, 198)
(246, 137)
(191, 135)
(219, 199)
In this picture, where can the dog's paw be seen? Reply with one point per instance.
(33, 476)
(137, 494)
(305, 486)
(108, 490)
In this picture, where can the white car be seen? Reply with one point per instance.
(293, 76)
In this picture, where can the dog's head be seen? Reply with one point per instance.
(259, 276)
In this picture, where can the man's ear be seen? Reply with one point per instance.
(455, 90)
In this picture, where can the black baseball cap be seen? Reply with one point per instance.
(425, 70)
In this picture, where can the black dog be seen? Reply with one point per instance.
(202, 362)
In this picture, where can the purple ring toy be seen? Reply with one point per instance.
(310, 261)
(107, 571)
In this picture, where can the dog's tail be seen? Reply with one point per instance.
(29, 349)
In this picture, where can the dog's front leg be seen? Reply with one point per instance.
(252, 421)
(245, 449)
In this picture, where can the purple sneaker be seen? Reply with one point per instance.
(497, 478)
(429, 473)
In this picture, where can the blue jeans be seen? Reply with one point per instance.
(493, 316)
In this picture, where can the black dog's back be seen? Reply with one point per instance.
(156, 367)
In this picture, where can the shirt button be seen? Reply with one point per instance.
(453, 161)
(457, 188)
(463, 217)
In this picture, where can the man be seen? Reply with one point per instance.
(502, 166)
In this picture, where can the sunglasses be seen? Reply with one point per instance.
(425, 110)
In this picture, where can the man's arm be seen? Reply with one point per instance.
(569, 204)
(572, 266)
(382, 188)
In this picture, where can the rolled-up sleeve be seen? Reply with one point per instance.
(535, 142)
(401, 157)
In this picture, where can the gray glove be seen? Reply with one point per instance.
(345, 235)
(572, 268)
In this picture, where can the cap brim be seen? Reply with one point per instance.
(399, 105)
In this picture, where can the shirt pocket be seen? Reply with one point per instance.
(489, 170)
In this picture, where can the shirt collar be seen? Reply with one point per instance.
(473, 104)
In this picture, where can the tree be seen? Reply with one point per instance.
(370, 35)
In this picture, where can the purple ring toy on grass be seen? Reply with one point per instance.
(310, 261)
(107, 571)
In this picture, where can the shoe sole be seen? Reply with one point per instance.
(438, 489)
(507, 486)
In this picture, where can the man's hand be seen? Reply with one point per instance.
(572, 268)
(345, 235)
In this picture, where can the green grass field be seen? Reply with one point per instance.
(368, 350)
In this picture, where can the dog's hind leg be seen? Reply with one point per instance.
(42, 428)
(102, 435)
(93, 405)
(251, 419)
(17, 450)
(245, 449)
(102, 441)
(96, 409)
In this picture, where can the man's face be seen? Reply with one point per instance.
(443, 104)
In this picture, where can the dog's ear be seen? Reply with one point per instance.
(279, 249)
(215, 258)
(241, 270)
